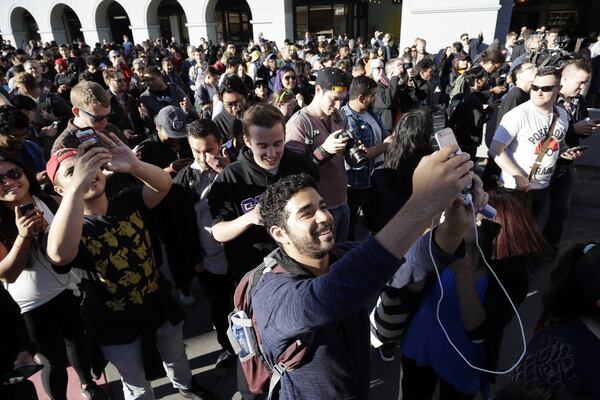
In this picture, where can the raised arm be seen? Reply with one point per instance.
(157, 182)
(67, 226)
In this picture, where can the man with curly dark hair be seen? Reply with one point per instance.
(323, 293)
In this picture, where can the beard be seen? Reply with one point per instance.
(312, 246)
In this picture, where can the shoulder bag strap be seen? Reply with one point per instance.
(544, 148)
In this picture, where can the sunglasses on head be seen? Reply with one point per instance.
(94, 118)
(13, 173)
(544, 89)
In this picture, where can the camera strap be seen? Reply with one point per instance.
(542, 152)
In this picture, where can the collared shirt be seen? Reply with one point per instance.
(214, 260)
(369, 130)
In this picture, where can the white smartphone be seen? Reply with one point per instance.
(445, 137)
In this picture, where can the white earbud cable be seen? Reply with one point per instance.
(501, 286)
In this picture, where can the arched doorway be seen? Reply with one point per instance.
(233, 20)
(65, 24)
(23, 26)
(112, 18)
(170, 18)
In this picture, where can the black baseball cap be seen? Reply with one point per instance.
(332, 78)
(173, 121)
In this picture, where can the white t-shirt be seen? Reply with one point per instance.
(523, 130)
(38, 283)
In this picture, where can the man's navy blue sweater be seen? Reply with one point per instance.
(332, 308)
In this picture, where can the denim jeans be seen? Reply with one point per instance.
(561, 190)
(127, 358)
(341, 222)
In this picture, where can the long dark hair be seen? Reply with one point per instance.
(563, 298)
(412, 141)
(9, 231)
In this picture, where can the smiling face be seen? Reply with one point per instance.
(267, 145)
(288, 80)
(309, 227)
(14, 188)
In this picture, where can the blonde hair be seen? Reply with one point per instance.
(281, 97)
(26, 80)
(86, 94)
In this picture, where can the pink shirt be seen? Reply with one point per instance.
(333, 181)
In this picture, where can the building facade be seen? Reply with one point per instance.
(439, 21)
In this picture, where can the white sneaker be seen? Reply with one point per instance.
(188, 300)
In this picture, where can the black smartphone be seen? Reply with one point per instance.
(25, 208)
(21, 373)
(86, 135)
(578, 148)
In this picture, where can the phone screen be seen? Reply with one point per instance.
(86, 135)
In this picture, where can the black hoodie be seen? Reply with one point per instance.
(236, 191)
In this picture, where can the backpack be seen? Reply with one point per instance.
(246, 340)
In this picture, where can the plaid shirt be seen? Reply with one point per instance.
(360, 177)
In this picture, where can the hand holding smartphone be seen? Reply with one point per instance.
(446, 138)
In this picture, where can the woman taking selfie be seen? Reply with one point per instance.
(48, 306)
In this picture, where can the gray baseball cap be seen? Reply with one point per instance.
(173, 121)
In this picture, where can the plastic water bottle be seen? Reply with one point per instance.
(240, 336)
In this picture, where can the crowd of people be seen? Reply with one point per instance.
(217, 159)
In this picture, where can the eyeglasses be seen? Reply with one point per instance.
(237, 104)
(94, 118)
(13, 173)
(544, 89)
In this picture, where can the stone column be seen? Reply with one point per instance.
(141, 33)
(450, 20)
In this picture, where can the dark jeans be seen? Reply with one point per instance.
(57, 330)
(418, 383)
(357, 198)
(218, 290)
(561, 190)
(20, 391)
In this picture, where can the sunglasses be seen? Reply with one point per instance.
(289, 78)
(544, 89)
(13, 173)
(94, 118)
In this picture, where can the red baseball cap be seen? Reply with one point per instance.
(61, 61)
(56, 159)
